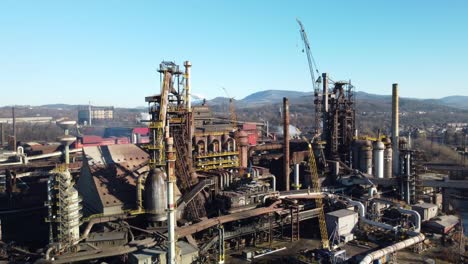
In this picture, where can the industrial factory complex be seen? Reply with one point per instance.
(186, 186)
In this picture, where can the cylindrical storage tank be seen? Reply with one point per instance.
(388, 161)
(366, 157)
(379, 159)
(156, 195)
(355, 151)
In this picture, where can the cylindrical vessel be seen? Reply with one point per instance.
(356, 149)
(155, 194)
(379, 159)
(366, 157)
(388, 166)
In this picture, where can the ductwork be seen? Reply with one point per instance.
(362, 216)
(416, 215)
(369, 258)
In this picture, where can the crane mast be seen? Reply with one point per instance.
(315, 82)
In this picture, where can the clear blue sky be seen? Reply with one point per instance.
(107, 52)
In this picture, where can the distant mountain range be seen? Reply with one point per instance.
(363, 99)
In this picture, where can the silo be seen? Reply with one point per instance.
(365, 157)
(155, 195)
(388, 161)
(379, 159)
(355, 151)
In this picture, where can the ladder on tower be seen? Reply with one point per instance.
(295, 223)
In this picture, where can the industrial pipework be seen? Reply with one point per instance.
(369, 258)
(171, 179)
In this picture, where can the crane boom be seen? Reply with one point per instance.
(318, 201)
(310, 58)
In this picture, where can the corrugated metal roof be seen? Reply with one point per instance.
(114, 170)
(341, 213)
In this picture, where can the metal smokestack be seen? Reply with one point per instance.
(325, 104)
(14, 127)
(286, 142)
(188, 65)
(395, 131)
(2, 136)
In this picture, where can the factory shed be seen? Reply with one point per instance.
(342, 222)
(108, 177)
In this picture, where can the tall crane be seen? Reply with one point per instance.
(315, 82)
(318, 201)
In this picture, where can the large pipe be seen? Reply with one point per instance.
(286, 142)
(362, 216)
(417, 218)
(171, 224)
(369, 258)
(395, 130)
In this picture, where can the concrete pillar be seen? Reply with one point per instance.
(286, 143)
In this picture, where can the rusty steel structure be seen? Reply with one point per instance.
(338, 118)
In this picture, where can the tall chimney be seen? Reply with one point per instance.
(395, 131)
(188, 65)
(90, 114)
(286, 142)
(2, 136)
(14, 127)
(325, 106)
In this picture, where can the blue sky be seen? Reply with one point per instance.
(107, 52)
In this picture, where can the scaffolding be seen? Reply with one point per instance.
(64, 209)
